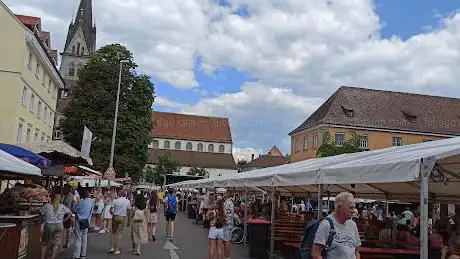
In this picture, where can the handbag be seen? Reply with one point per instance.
(83, 223)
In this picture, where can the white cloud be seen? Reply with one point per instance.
(245, 153)
(297, 53)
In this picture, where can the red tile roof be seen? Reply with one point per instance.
(191, 127)
(267, 161)
(28, 20)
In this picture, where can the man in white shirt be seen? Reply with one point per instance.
(120, 210)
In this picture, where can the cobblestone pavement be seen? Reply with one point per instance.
(190, 239)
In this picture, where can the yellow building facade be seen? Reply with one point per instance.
(379, 119)
(29, 83)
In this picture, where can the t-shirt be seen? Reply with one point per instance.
(345, 242)
(229, 209)
(52, 215)
(204, 203)
(121, 206)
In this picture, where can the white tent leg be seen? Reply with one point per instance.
(426, 166)
(245, 227)
(272, 228)
(320, 201)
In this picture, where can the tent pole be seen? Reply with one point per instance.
(245, 229)
(426, 166)
(320, 201)
(272, 228)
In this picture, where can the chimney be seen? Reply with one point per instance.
(252, 157)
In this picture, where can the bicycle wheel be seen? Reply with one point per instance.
(237, 235)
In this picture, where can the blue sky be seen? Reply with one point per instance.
(398, 18)
(273, 62)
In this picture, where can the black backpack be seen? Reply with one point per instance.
(309, 236)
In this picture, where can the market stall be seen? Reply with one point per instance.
(20, 229)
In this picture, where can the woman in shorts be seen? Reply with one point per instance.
(152, 214)
(53, 214)
(216, 217)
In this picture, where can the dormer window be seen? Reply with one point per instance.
(410, 118)
(348, 112)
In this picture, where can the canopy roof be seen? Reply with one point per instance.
(55, 146)
(26, 155)
(12, 165)
(390, 173)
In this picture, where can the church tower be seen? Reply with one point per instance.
(80, 44)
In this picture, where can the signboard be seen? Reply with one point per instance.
(86, 143)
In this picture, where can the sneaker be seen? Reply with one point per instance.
(117, 252)
(102, 231)
(112, 251)
(138, 253)
(153, 238)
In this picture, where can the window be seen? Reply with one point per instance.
(28, 135)
(19, 133)
(49, 85)
(156, 144)
(64, 93)
(57, 134)
(297, 145)
(39, 110)
(24, 96)
(397, 141)
(78, 47)
(43, 137)
(210, 148)
(363, 141)
(166, 144)
(45, 114)
(221, 148)
(348, 112)
(315, 141)
(37, 71)
(189, 146)
(200, 147)
(32, 103)
(73, 49)
(82, 51)
(36, 135)
(339, 139)
(29, 60)
(305, 143)
(72, 69)
(177, 145)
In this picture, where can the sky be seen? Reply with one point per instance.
(268, 64)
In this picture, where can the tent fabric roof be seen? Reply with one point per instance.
(391, 173)
(12, 164)
(53, 146)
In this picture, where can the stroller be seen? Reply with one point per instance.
(238, 230)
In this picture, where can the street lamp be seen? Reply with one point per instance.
(114, 133)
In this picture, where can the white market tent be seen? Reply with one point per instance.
(10, 164)
(412, 172)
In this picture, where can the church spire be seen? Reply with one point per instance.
(83, 20)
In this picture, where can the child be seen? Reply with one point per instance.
(107, 214)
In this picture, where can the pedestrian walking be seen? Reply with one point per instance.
(229, 209)
(170, 213)
(120, 211)
(216, 217)
(83, 213)
(98, 209)
(138, 225)
(108, 203)
(152, 214)
(54, 214)
(68, 200)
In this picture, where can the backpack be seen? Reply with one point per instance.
(309, 236)
(172, 204)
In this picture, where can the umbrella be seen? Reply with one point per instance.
(26, 155)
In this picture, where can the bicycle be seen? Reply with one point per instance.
(237, 232)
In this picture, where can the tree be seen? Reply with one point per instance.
(165, 165)
(94, 105)
(195, 171)
(329, 147)
(241, 164)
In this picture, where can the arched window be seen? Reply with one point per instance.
(199, 147)
(221, 148)
(210, 148)
(166, 144)
(156, 144)
(73, 49)
(79, 66)
(82, 51)
(72, 69)
(188, 146)
(177, 145)
(78, 47)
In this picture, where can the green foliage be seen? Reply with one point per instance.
(195, 171)
(165, 165)
(329, 148)
(94, 107)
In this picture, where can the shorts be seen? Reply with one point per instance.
(227, 233)
(52, 234)
(170, 216)
(118, 223)
(216, 233)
